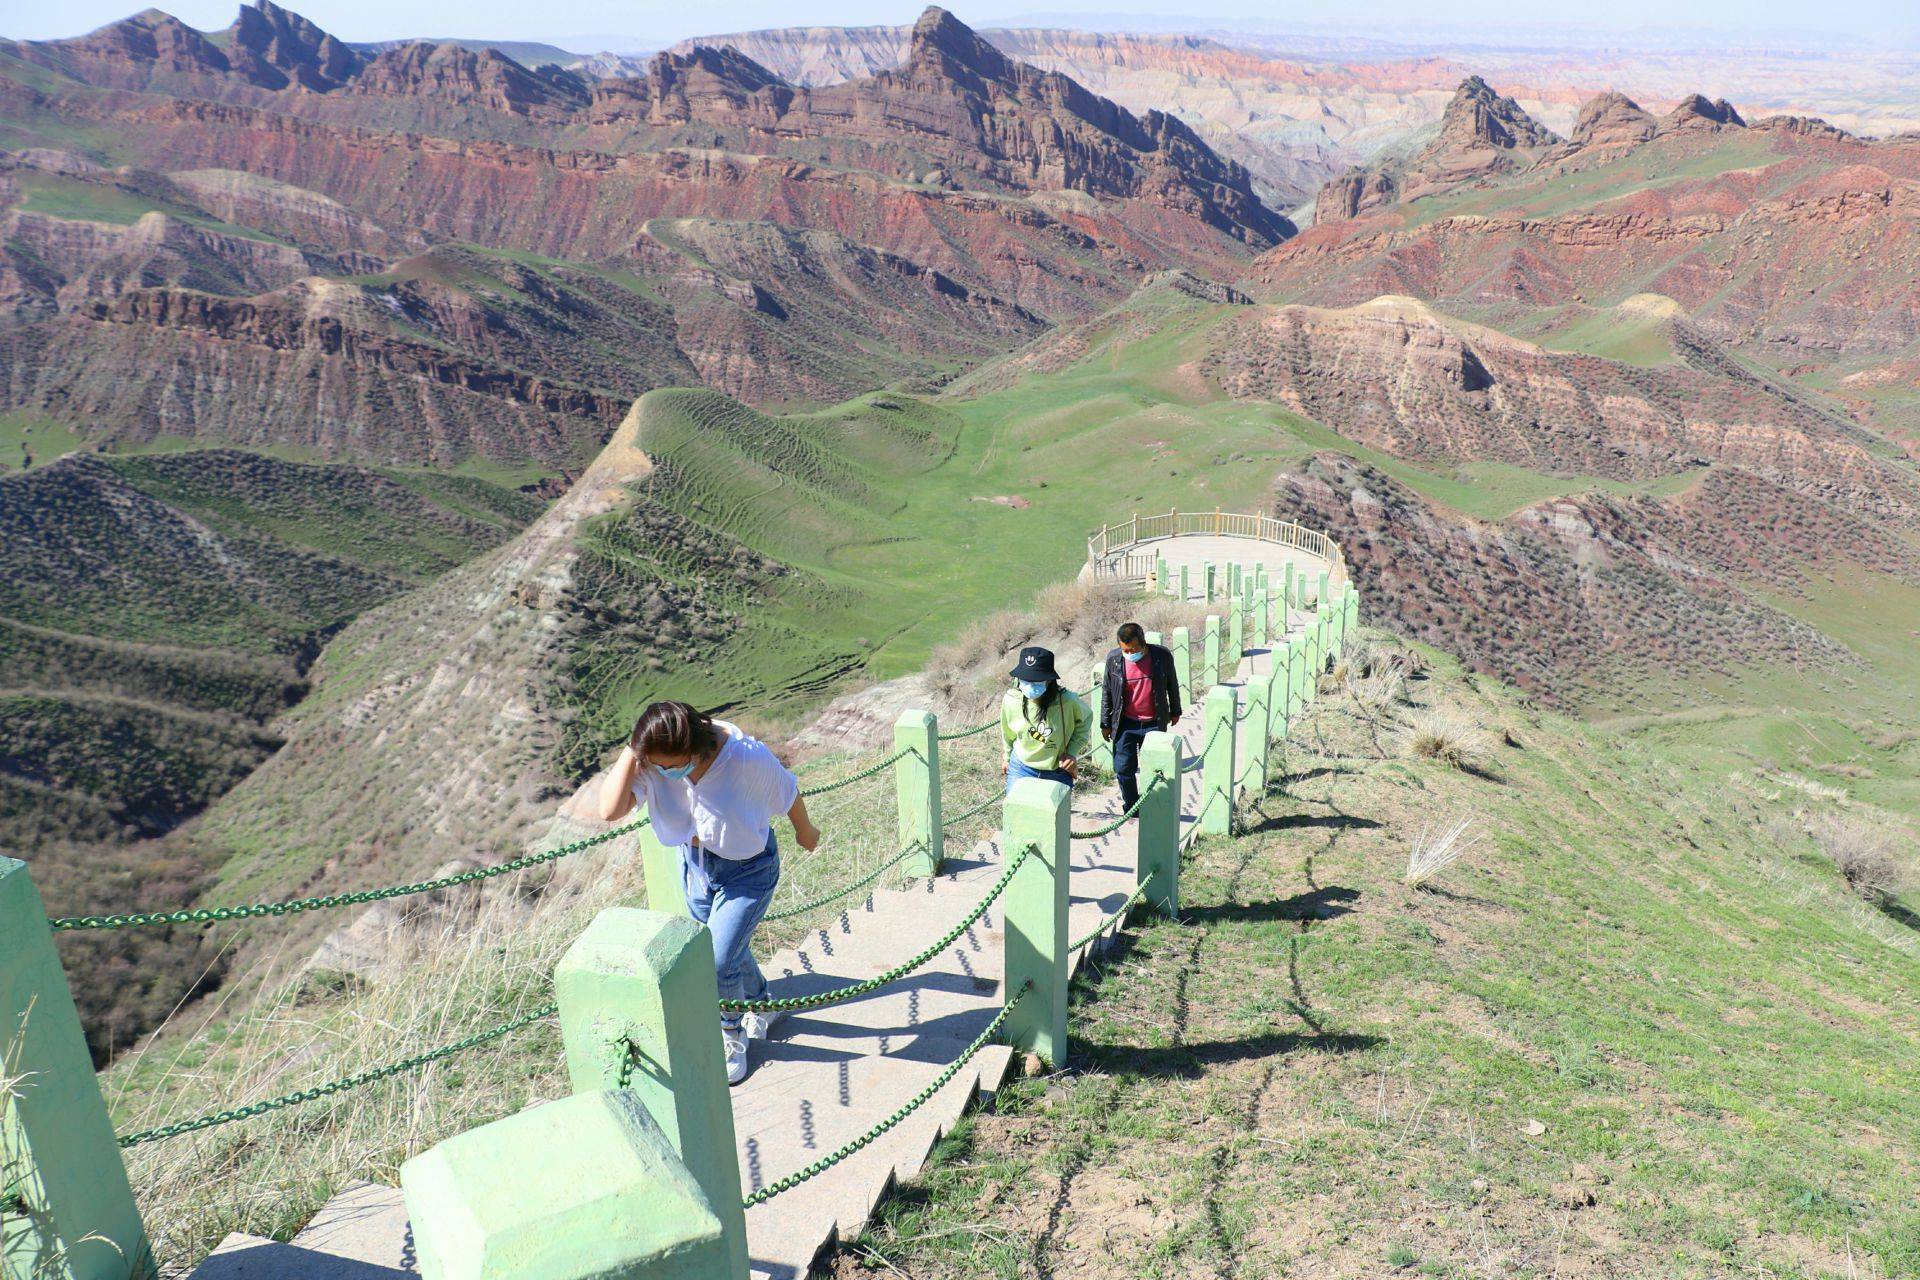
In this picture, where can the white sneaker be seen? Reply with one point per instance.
(736, 1049)
(759, 1026)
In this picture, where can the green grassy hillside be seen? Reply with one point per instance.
(1641, 1028)
(156, 613)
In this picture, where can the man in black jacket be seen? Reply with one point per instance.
(1140, 695)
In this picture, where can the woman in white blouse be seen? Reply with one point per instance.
(714, 792)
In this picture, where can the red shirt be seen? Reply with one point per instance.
(1139, 678)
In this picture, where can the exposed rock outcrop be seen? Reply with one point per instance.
(1481, 133)
(276, 48)
(455, 73)
(1612, 120)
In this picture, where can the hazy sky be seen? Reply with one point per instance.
(576, 23)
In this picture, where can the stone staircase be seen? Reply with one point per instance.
(827, 1075)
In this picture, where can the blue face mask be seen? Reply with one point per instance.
(1133, 657)
(677, 771)
(1033, 688)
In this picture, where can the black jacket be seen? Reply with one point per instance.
(1113, 689)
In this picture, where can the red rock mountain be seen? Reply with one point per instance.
(793, 243)
(1480, 133)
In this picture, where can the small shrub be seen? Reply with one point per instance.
(1445, 734)
(1436, 848)
(1872, 858)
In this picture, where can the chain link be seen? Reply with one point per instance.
(850, 779)
(982, 807)
(967, 733)
(898, 858)
(1123, 819)
(342, 1085)
(792, 1003)
(912, 1105)
(1133, 899)
(213, 915)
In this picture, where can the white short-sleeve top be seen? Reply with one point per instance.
(731, 809)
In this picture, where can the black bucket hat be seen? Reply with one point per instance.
(1035, 664)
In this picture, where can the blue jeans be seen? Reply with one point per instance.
(1126, 757)
(1017, 770)
(729, 898)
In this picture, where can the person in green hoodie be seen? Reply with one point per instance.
(1046, 728)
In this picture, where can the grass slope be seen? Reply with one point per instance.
(1640, 1030)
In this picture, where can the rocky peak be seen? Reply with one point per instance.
(1612, 119)
(1478, 118)
(707, 83)
(941, 46)
(1695, 112)
(275, 48)
(452, 72)
(154, 38)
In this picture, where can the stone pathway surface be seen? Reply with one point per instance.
(827, 1076)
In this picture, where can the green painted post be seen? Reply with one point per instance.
(642, 983)
(1233, 579)
(1278, 713)
(666, 883)
(1287, 589)
(1260, 716)
(1161, 583)
(1182, 647)
(1157, 847)
(1210, 652)
(1034, 916)
(1320, 592)
(1099, 747)
(1216, 766)
(1153, 637)
(1209, 574)
(1236, 634)
(1186, 588)
(916, 785)
(1262, 614)
(586, 1188)
(76, 1218)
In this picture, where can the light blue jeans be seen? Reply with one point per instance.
(729, 898)
(1018, 769)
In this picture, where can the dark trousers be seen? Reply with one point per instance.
(1126, 757)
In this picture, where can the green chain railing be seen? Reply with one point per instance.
(858, 989)
(844, 890)
(1128, 816)
(213, 915)
(912, 1105)
(342, 1085)
(1119, 913)
(982, 807)
(850, 779)
(967, 733)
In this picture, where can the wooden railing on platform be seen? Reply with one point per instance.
(1112, 557)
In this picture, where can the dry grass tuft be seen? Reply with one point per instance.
(1873, 859)
(1436, 848)
(1446, 734)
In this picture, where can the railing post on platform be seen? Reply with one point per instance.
(1182, 647)
(1186, 587)
(1157, 869)
(916, 785)
(1216, 766)
(1161, 585)
(579, 1189)
(1262, 613)
(666, 883)
(1210, 653)
(1320, 594)
(1286, 600)
(1236, 633)
(74, 1217)
(1234, 575)
(1208, 571)
(1260, 713)
(1034, 917)
(636, 994)
(1097, 745)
